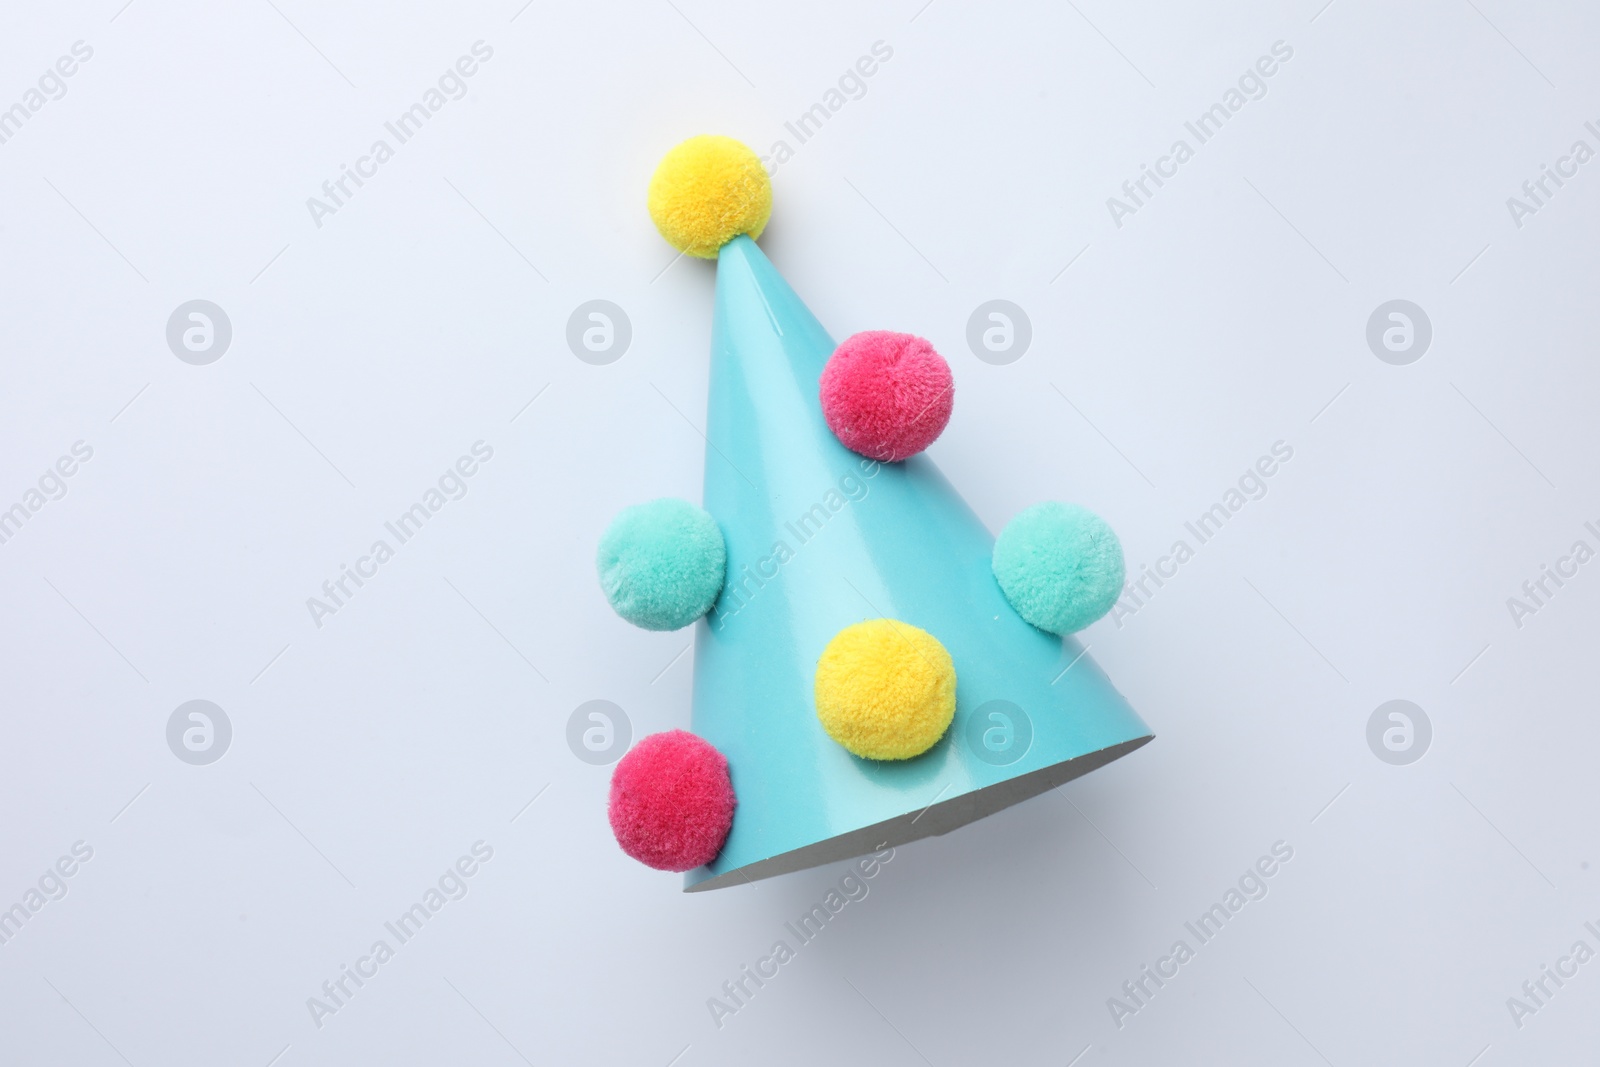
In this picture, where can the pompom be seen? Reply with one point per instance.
(707, 191)
(885, 689)
(662, 564)
(887, 395)
(1060, 565)
(671, 803)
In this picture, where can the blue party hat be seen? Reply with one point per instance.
(819, 538)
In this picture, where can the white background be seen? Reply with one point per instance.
(370, 352)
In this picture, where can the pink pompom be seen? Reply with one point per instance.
(672, 801)
(887, 395)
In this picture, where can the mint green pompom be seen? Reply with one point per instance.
(1060, 565)
(662, 564)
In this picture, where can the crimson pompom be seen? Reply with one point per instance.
(672, 801)
(886, 395)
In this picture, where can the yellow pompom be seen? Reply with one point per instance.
(707, 191)
(885, 689)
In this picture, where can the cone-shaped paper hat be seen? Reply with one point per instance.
(819, 538)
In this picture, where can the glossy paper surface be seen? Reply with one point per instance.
(819, 538)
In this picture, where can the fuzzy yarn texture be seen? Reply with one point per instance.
(1060, 565)
(707, 191)
(885, 689)
(887, 395)
(671, 803)
(662, 564)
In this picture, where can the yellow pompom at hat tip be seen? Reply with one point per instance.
(708, 190)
